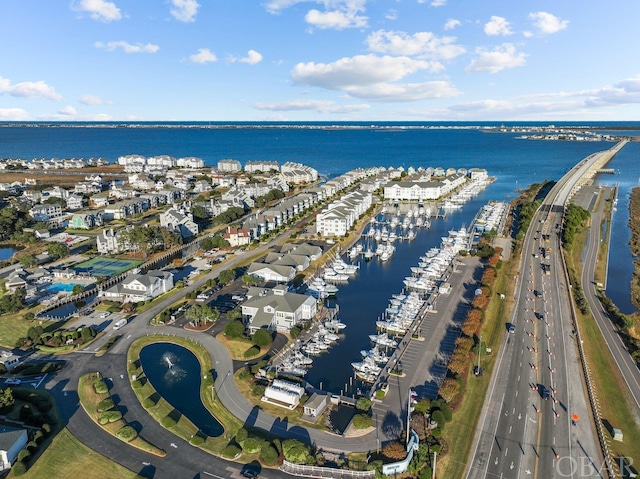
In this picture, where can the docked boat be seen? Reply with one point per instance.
(384, 340)
(321, 288)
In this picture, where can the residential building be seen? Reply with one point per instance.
(86, 220)
(46, 212)
(140, 287)
(12, 440)
(283, 393)
(271, 272)
(108, 242)
(179, 221)
(261, 166)
(74, 202)
(227, 165)
(276, 309)
(238, 236)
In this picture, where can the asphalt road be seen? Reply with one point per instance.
(522, 433)
(623, 359)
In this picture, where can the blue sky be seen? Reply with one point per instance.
(319, 60)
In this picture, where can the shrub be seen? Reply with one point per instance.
(295, 451)
(100, 386)
(438, 417)
(105, 405)
(168, 422)
(136, 384)
(109, 416)
(148, 403)
(234, 329)
(132, 368)
(38, 436)
(231, 451)
(251, 352)
(197, 440)
(363, 404)
(23, 454)
(262, 338)
(46, 428)
(32, 445)
(446, 412)
(268, 454)
(380, 394)
(395, 450)
(252, 445)
(257, 390)
(19, 468)
(362, 421)
(242, 435)
(126, 433)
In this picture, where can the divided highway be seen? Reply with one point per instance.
(527, 428)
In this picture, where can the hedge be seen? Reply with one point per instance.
(19, 468)
(252, 445)
(105, 405)
(168, 421)
(127, 433)
(251, 352)
(197, 440)
(231, 451)
(269, 454)
(109, 416)
(362, 421)
(101, 387)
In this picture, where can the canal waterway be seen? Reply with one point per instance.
(620, 269)
(174, 372)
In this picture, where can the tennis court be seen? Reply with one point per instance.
(106, 266)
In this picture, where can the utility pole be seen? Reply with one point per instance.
(408, 416)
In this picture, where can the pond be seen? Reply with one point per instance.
(174, 372)
(6, 253)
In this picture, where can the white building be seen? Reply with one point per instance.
(272, 272)
(140, 287)
(261, 166)
(283, 393)
(108, 242)
(179, 221)
(338, 218)
(277, 309)
(232, 166)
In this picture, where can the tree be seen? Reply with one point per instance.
(250, 280)
(77, 289)
(27, 260)
(58, 250)
(363, 403)
(449, 389)
(234, 329)
(234, 314)
(226, 276)
(6, 398)
(262, 338)
(199, 212)
(395, 450)
(202, 313)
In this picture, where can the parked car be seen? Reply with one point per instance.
(12, 381)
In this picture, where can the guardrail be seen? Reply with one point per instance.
(315, 471)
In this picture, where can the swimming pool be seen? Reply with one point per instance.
(58, 287)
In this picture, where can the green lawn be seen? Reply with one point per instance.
(68, 457)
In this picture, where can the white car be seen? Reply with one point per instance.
(105, 314)
(12, 381)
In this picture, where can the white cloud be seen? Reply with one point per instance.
(184, 10)
(624, 92)
(356, 71)
(451, 24)
(497, 26)
(500, 58)
(29, 89)
(252, 57)
(13, 114)
(345, 14)
(128, 47)
(401, 92)
(547, 23)
(276, 6)
(98, 9)
(371, 77)
(92, 100)
(421, 43)
(319, 106)
(436, 3)
(68, 111)
(391, 14)
(204, 55)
